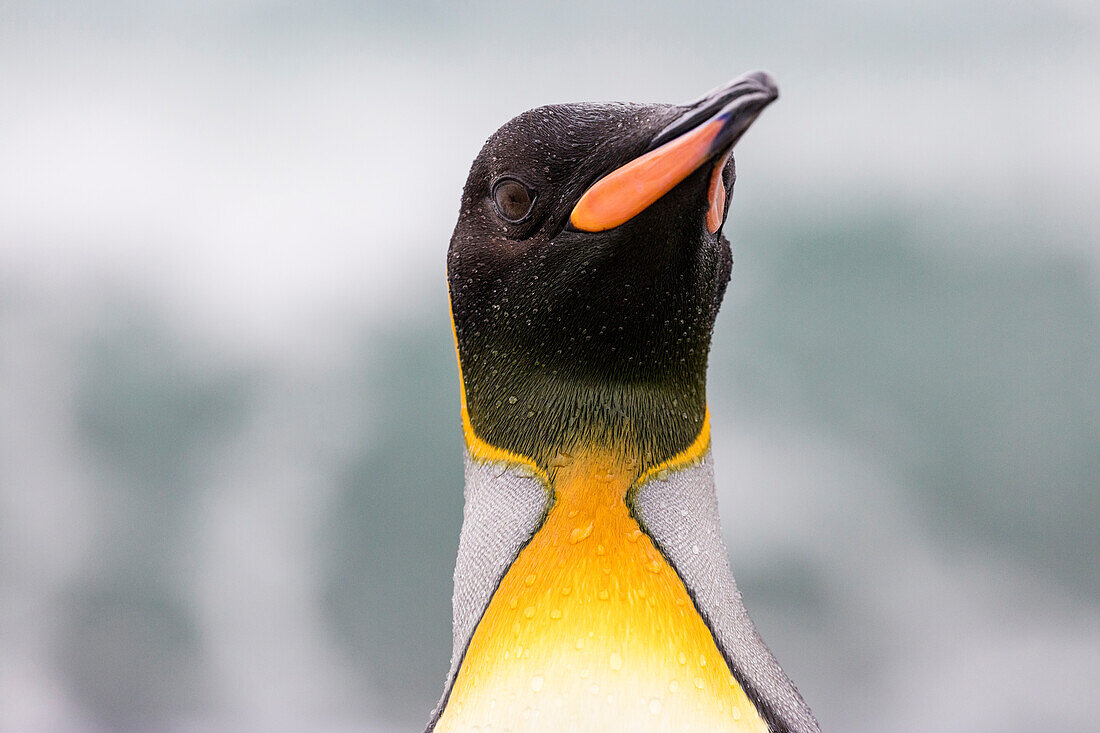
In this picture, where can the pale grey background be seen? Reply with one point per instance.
(230, 458)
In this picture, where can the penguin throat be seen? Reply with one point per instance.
(544, 416)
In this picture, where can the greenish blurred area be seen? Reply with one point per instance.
(230, 453)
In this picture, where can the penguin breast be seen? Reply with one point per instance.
(592, 629)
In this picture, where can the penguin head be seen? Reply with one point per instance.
(587, 268)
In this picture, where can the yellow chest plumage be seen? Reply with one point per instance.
(592, 629)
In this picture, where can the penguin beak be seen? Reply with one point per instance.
(707, 129)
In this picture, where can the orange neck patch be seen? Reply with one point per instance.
(592, 629)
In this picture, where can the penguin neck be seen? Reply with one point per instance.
(593, 482)
(613, 467)
(543, 413)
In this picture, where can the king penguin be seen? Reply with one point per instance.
(592, 587)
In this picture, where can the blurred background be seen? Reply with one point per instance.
(230, 451)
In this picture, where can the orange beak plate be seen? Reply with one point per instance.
(628, 190)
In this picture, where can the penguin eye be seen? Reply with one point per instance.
(513, 200)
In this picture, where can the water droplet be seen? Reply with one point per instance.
(655, 706)
(654, 566)
(536, 682)
(601, 550)
(555, 614)
(673, 686)
(604, 595)
(512, 400)
(561, 459)
(580, 645)
(736, 713)
(702, 661)
(513, 603)
(635, 535)
(572, 513)
(641, 592)
(566, 590)
(529, 612)
(579, 534)
(530, 579)
(682, 658)
(616, 661)
(699, 683)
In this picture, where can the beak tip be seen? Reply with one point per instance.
(765, 82)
